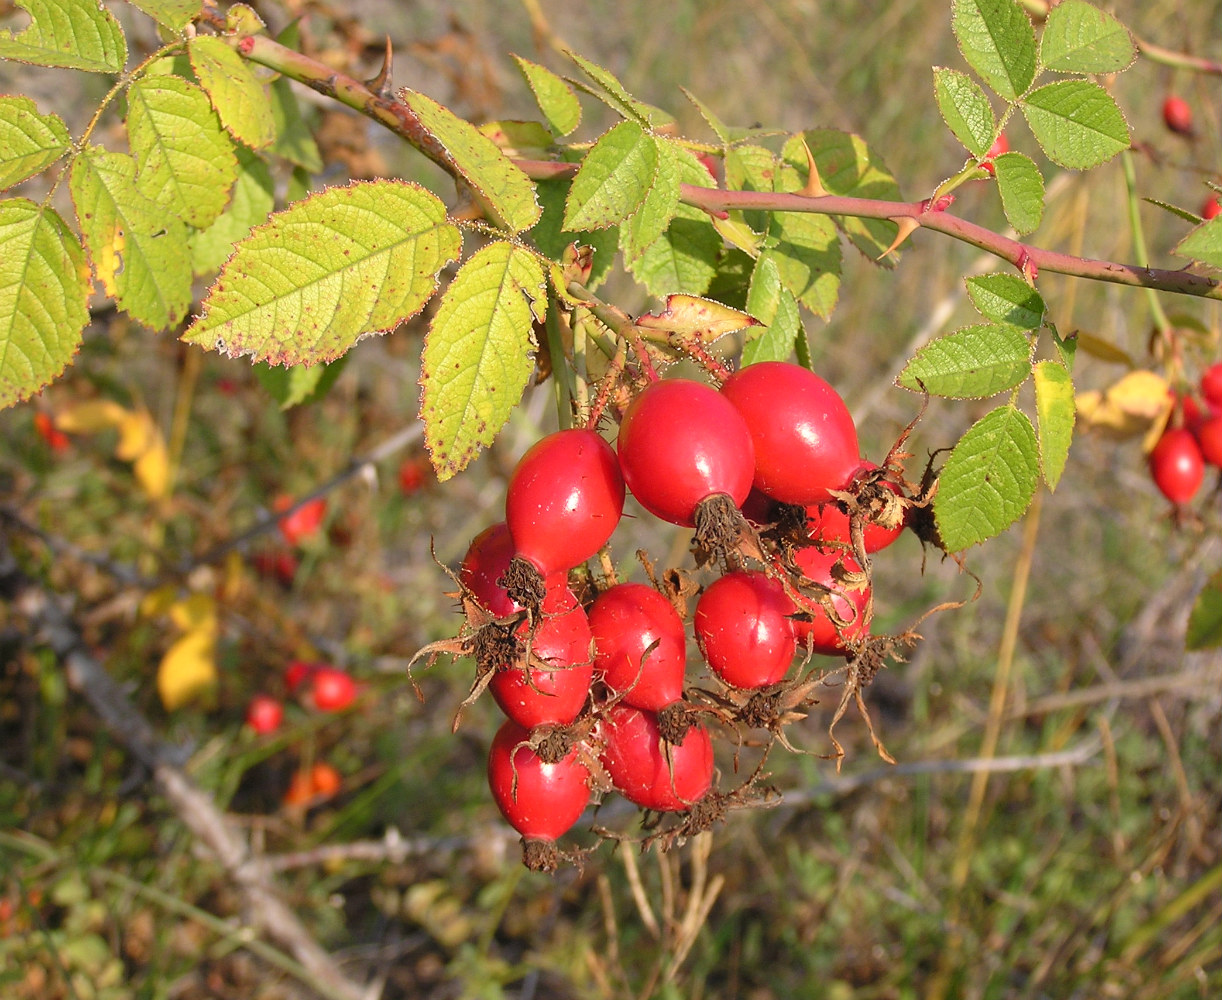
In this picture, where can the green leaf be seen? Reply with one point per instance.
(806, 248)
(848, 167)
(971, 363)
(139, 252)
(72, 34)
(1076, 122)
(252, 201)
(1081, 38)
(328, 270)
(998, 42)
(966, 109)
(1067, 347)
(477, 354)
(1054, 411)
(1203, 244)
(555, 97)
(612, 93)
(186, 161)
(685, 258)
(241, 101)
(1005, 298)
(1205, 619)
(776, 309)
(552, 240)
(752, 168)
(727, 134)
(44, 298)
(989, 479)
(505, 191)
(1022, 191)
(29, 142)
(172, 14)
(1179, 213)
(298, 384)
(613, 179)
(650, 220)
(293, 138)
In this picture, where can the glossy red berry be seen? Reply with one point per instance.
(541, 801)
(552, 689)
(54, 438)
(803, 435)
(817, 629)
(485, 563)
(639, 645)
(264, 714)
(414, 474)
(1209, 437)
(665, 777)
(1177, 115)
(297, 673)
(1210, 208)
(331, 689)
(681, 442)
(743, 629)
(302, 523)
(828, 522)
(1177, 465)
(1211, 385)
(564, 499)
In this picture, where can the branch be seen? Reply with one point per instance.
(269, 914)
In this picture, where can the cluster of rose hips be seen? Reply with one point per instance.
(1192, 440)
(768, 473)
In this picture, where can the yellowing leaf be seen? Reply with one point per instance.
(141, 442)
(194, 613)
(152, 469)
(1141, 394)
(188, 669)
(690, 317)
(1129, 407)
(90, 417)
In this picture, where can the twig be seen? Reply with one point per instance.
(193, 806)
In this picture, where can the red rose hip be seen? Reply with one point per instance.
(640, 645)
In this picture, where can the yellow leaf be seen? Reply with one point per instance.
(195, 613)
(136, 435)
(188, 669)
(152, 469)
(141, 442)
(1141, 394)
(108, 260)
(90, 416)
(159, 601)
(1139, 403)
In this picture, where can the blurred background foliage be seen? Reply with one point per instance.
(1095, 871)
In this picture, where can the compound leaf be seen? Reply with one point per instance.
(1054, 411)
(241, 101)
(1080, 38)
(989, 479)
(555, 97)
(650, 220)
(613, 179)
(684, 258)
(777, 310)
(186, 161)
(328, 270)
(44, 293)
(1077, 123)
(998, 42)
(965, 108)
(502, 187)
(71, 34)
(1203, 244)
(139, 253)
(477, 355)
(971, 363)
(1005, 298)
(1022, 190)
(29, 141)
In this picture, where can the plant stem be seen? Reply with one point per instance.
(1139, 240)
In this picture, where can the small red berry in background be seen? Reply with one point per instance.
(1209, 436)
(1000, 145)
(304, 522)
(311, 785)
(415, 473)
(331, 689)
(280, 565)
(54, 438)
(1210, 208)
(297, 673)
(1211, 385)
(264, 714)
(1177, 115)
(1177, 465)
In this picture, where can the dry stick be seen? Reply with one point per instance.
(193, 806)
